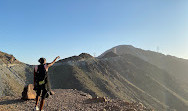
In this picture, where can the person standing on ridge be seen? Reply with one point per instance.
(41, 81)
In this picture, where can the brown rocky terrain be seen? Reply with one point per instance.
(124, 73)
(7, 59)
(13, 75)
(82, 56)
(121, 76)
(70, 100)
(177, 67)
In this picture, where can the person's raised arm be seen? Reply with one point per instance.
(50, 64)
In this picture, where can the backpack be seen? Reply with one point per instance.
(41, 75)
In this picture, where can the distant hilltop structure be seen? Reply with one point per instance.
(115, 50)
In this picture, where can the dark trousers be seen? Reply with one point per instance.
(48, 84)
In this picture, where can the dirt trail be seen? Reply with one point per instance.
(69, 100)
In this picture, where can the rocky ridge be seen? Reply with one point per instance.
(125, 73)
(8, 59)
(13, 75)
(125, 77)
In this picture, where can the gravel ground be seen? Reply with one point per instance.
(69, 100)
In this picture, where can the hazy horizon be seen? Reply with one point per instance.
(94, 54)
(33, 29)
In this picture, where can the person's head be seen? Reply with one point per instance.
(42, 60)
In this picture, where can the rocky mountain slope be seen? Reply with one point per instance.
(13, 75)
(120, 76)
(176, 67)
(129, 74)
(70, 100)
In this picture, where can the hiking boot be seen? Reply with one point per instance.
(36, 108)
(52, 93)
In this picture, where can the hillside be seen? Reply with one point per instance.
(126, 77)
(13, 75)
(8, 59)
(176, 67)
(129, 74)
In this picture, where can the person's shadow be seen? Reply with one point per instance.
(14, 101)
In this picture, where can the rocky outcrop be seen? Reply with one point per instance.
(97, 100)
(28, 92)
(8, 59)
(82, 56)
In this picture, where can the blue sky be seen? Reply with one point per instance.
(30, 29)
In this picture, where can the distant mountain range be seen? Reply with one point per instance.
(154, 79)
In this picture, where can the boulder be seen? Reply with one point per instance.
(97, 99)
(28, 92)
(86, 95)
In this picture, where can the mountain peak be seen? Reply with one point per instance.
(110, 54)
(7, 59)
(82, 56)
(130, 46)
